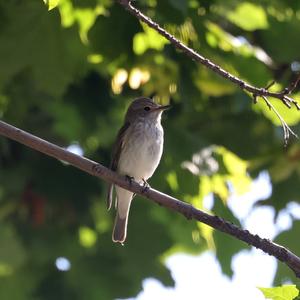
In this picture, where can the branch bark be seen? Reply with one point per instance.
(190, 212)
(254, 91)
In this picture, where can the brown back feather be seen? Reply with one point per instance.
(117, 148)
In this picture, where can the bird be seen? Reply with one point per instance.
(136, 154)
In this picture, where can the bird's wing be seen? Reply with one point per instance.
(117, 148)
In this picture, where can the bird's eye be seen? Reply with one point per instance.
(147, 108)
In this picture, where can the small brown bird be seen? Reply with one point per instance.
(136, 154)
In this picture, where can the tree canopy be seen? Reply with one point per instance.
(68, 75)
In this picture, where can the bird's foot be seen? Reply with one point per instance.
(146, 186)
(129, 178)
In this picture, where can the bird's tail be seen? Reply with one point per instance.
(124, 199)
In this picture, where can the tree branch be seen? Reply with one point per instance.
(254, 91)
(190, 212)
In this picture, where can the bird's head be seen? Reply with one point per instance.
(144, 108)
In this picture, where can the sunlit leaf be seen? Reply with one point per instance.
(204, 186)
(291, 116)
(241, 183)
(237, 169)
(85, 17)
(219, 186)
(207, 233)
(233, 163)
(249, 16)
(95, 58)
(285, 292)
(51, 3)
(67, 13)
(173, 181)
(149, 39)
(87, 237)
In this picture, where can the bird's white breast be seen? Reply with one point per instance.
(142, 150)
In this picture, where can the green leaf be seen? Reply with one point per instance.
(85, 17)
(212, 84)
(284, 28)
(87, 237)
(51, 3)
(45, 58)
(291, 116)
(123, 27)
(12, 254)
(150, 39)
(286, 292)
(56, 79)
(249, 16)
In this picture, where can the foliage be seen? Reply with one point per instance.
(68, 75)
(51, 3)
(285, 292)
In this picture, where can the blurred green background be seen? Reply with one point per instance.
(68, 75)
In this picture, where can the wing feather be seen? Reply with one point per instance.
(117, 149)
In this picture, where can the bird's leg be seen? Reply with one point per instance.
(129, 178)
(146, 186)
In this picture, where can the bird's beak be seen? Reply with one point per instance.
(163, 107)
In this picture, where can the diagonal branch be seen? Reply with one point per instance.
(190, 212)
(254, 91)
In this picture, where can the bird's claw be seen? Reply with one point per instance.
(129, 178)
(146, 186)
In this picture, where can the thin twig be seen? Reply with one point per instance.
(255, 91)
(190, 212)
(286, 129)
(292, 86)
(206, 62)
(270, 85)
(291, 100)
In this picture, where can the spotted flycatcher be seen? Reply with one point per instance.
(136, 154)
